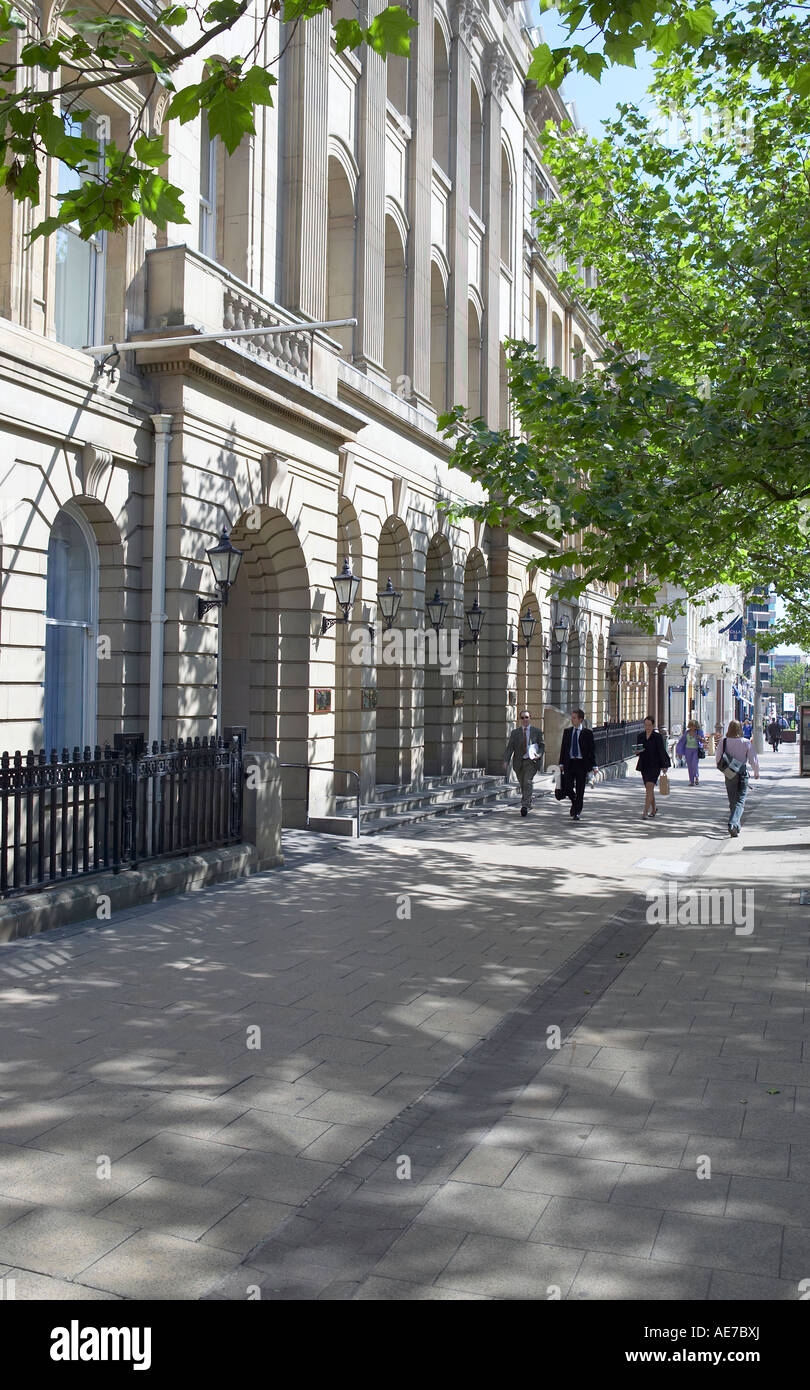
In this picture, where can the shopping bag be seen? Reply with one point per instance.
(663, 785)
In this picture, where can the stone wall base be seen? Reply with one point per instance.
(76, 902)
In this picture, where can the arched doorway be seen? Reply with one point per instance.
(590, 680)
(438, 708)
(530, 662)
(475, 666)
(394, 713)
(265, 647)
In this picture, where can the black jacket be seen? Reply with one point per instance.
(654, 756)
(586, 747)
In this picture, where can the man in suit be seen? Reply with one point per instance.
(525, 750)
(577, 759)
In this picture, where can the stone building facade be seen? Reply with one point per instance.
(395, 193)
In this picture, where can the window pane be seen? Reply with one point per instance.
(68, 594)
(74, 308)
(64, 687)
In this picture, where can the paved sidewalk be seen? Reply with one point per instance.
(333, 1080)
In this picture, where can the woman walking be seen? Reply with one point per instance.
(653, 761)
(691, 745)
(734, 756)
(774, 734)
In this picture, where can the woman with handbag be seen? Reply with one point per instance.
(692, 746)
(653, 761)
(734, 756)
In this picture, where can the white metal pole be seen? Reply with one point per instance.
(759, 737)
(272, 330)
(220, 616)
(157, 617)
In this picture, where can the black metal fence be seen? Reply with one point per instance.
(613, 742)
(64, 818)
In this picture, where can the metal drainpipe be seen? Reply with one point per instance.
(157, 617)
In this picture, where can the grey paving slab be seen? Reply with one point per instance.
(608, 1226)
(510, 1269)
(486, 1210)
(150, 1266)
(654, 1186)
(769, 1199)
(380, 1290)
(32, 1287)
(247, 1224)
(610, 1277)
(749, 1247)
(753, 1157)
(52, 1241)
(564, 1176)
(178, 1209)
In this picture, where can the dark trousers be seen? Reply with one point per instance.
(737, 791)
(575, 775)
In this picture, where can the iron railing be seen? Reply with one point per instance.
(614, 742)
(66, 818)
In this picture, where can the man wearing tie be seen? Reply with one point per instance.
(525, 749)
(577, 759)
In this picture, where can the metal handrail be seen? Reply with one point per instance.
(330, 767)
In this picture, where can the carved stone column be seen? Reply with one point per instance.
(466, 18)
(370, 287)
(419, 199)
(304, 170)
(498, 74)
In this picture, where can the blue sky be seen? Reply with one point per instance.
(595, 101)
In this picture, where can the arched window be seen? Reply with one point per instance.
(396, 78)
(71, 619)
(441, 101)
(541, 328)
(340, 254)
(394, 345)
(556, 341)
(476, 153)
(473, 363)
(438, 340)
(577, 358)
(506, 208)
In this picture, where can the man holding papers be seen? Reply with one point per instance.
(525, 750)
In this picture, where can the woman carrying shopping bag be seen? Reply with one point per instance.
(653, 761)
(692, 746)
(734, 756)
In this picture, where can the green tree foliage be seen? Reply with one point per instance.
(795, 678)
(92, 51)
(682, 457)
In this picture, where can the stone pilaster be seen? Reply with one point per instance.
(498, 75)
(419, 199)
(305, 171)
(370, 287)
(466, 17)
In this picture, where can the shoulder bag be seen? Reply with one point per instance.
(730, 767)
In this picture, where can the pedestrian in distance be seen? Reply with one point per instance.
(653, 760)
(692, 746)
(577, 759)
(734, 756)
(525, 750)
(747, 728)
(774, 734)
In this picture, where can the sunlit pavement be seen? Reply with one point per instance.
(342, 1079)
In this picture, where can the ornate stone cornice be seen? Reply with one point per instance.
(467, 16)
(533, 101)
(498, 71)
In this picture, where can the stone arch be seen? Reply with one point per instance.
(438, 336)
(474, 360)
(590, 705)
(602, 683)
(394, 714)
(556, 342)
(340, 251)
(266, 645)
(438, 708)
(441, 94)
(530, 661)
(507, 204)
(395, 299)
(541, 327)
(575, 693)
(476, 150)
(475, 664)
(577, 360)
(349, 675)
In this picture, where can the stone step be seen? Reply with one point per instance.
(402, 800)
